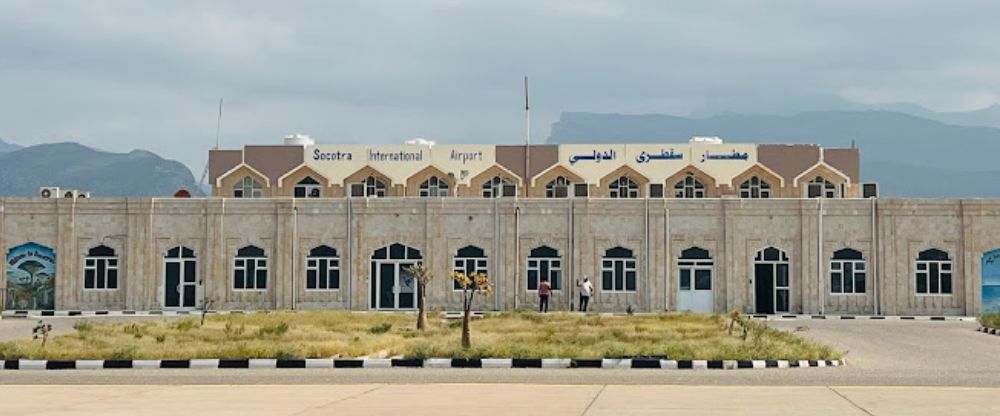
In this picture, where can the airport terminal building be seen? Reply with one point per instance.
(702, 226)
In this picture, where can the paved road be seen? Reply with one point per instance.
(495, 399)
(885, 353)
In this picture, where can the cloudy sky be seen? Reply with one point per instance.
(119, 75)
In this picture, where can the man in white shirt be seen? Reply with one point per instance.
(586, 289)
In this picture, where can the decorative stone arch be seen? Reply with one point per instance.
(764, 173)
(476, 183)
(830, 173)
(625, 170)
(287, 182)
(224, 183)
(711, 187)
(540, 181)
(391, 189)
(414, 181)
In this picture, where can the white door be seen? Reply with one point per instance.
(694, 289)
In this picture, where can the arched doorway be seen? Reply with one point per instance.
(392, 285)
(772, 284)
(180, 278)
(991, 281)
(694, 288)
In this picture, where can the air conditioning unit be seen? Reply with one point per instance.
(69, 193)
(49, 192)
(869, 190)
(83, 194)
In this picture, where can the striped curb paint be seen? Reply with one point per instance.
(862, 317)
(76, 313)
(993, 331)
(605, 363)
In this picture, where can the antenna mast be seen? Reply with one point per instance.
(527, 138)
(218, 128)
(218, 125)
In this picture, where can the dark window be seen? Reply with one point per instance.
(100, 269)
(544, 264)
(250, 269)
(933, 273)
(322, 269)
(847, 272)
(618, 270)
(469, 260)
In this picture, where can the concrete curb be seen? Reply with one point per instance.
(448, 315)
(606, 363)
(992, 331)
(790, 317)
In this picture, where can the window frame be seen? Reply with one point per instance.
(762, 187)
(332, 265)
(840, 263)
(307, 187)
(624, 184)
(697, 188)
(559, 182)
(608, 264)
(497, 187)
(459, 263)
(425, 188)
(98, 278)
(257, 268)
(538, 269)
(248, 183)
(940, 271)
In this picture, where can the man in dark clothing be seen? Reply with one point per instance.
(544, 289)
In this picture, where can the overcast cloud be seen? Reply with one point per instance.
(119, 75)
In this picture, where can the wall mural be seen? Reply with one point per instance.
(31, 277)
(991, 281)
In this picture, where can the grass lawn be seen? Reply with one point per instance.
(990, 320)
(340, 334)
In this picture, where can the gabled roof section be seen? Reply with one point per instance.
(237, 168)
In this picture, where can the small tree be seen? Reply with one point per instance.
(41, 331)
(423, 276)
(206, 305)
(471, 285)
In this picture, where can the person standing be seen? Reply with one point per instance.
(586, 289)
(544, 290)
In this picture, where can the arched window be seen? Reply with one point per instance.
(695, 268)
(100, 269)
(847, 272)
(469, 260)
(308, 188)
(618, 270)
(557, 188)
(434, 186)
(323, 269)
(819, 187)
(499, 187)
(623, 187)
(370, 187)
(248, 187)
(933, 272)
(689, 187)
(755, 187)
(250, 269)
(544, 264)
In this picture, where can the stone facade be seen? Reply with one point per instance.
(141, 231)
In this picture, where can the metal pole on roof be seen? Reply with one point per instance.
(527, 138)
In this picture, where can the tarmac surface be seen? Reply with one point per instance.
(495, 399)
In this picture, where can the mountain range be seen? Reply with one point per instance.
(23, 170)
(907, 155)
